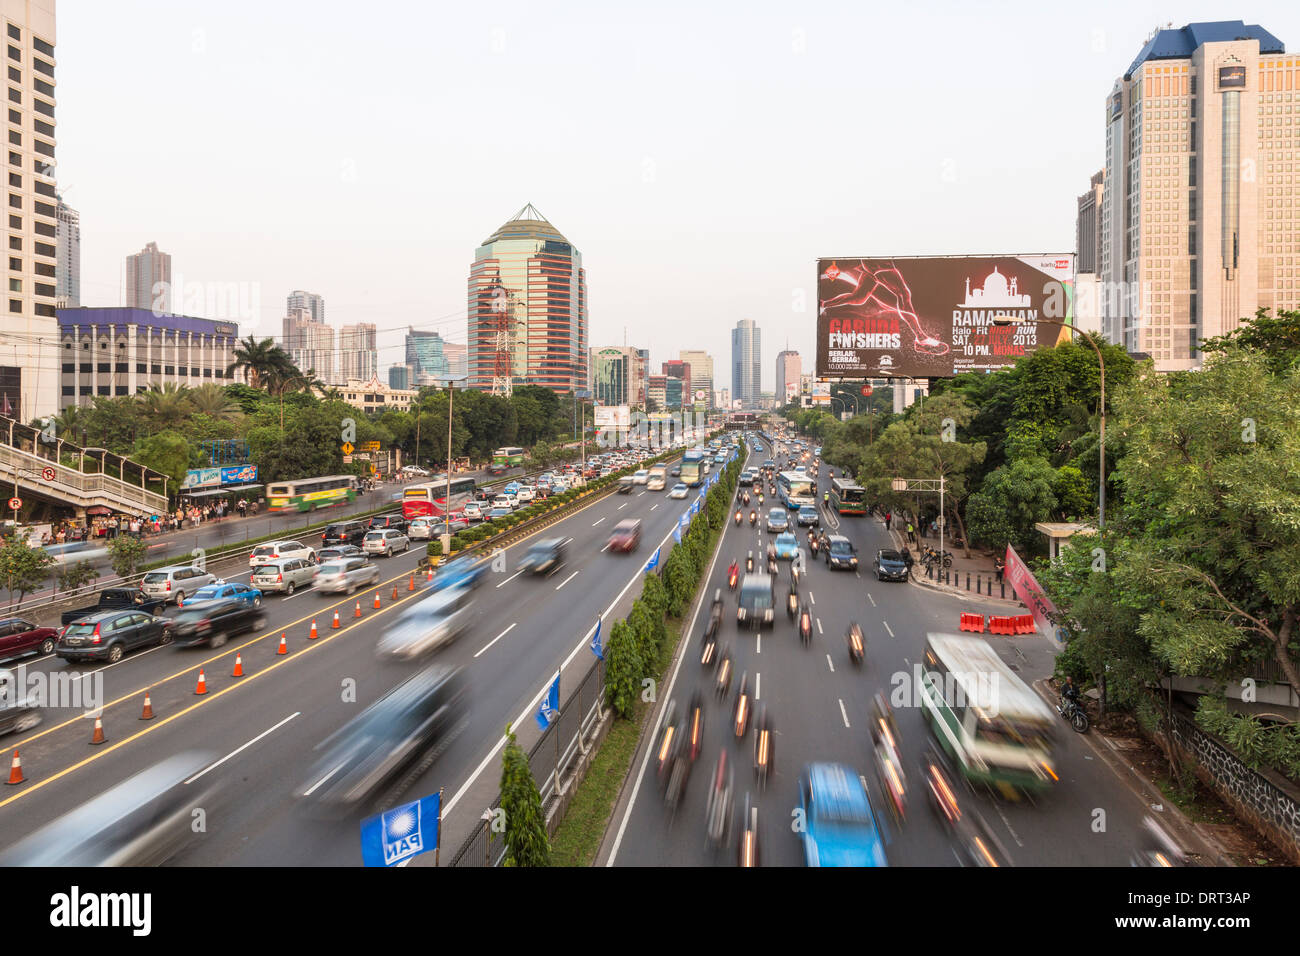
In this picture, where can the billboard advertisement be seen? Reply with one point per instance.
(242, 474)
(821, 393)
(201, 478)
(612, 417)
(934, 316)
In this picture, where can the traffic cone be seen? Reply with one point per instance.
(429, 576)
(98, 736)
(335, 625)
(357, 613)
(147, 713)
(411, 586)
(202, 687)
(376, 600)
(394, 592)
(15, 771)
(313, 635)
(239, 666)
(284, 644)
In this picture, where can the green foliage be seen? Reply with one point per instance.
(126, 554)
(168, 452)
(527, 843)
(1274, 338)
(1259, 744)
(623, 669)
(1013, 499)
(78, 574)
(22, 567)
(1074, 494)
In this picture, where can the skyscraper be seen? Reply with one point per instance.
(1198, 222)
(427, 359)
(67, 283)
(788, 368)
(1087, 258)
(457, 356)
(313, 303)
(612, 370)
(310, 345)
(399, 376)
(149, 280)
(701, 364)
(746, 363)
(358, 357)
(527, 308)
(682, 372)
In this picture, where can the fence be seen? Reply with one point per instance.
(984, 583)
(552, 757)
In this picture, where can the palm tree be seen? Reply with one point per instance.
(68, 421)
(211, 399)
(166, 405)
(259, 361)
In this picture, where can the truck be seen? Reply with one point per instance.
(693, 468)
(112, 599)
(658, 477)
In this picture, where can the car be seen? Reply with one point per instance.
(76, 551)
(286, 575)
(275, 550)
(118, 599)
(679, 490)
(747, 477)
(503, 501)
(346, 574)
(464, 571)
(787, 546)
(19, 712)
(756, 601)
(436, 620)
(385, 542)
(175, 582)
(559, 486)
(343, 532)
(499, 511)
(889, 565)
(840, 553)
(808, 517)
(214, 622)
(641, 476)
(107, 636)
(512, 488)
(393, 522)
(839, 822)
(675, 471)
(801, 469)
(227, 591)
(526, 494)
(338, 551)
(543, 556)
(625, 486)
(778, 520)
(418, 529)
(384, 741)
(19, 636)
(472, 511)
(414, 471)
(626, 535)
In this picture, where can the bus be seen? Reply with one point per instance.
(692, 468)
(997, 730)
(848, 497)
(308, 494)
(795, 489)
(430, 497)
(508, 457)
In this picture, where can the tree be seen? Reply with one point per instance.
(258, 360)
(165, 406)
(623, 669)
(78, 574)
(23, 567)
(527, 843)
(212, 400)
(125, 553)
(167, 452)
(1013, 499)
(1276, 338)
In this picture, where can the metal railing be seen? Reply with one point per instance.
(84, 489)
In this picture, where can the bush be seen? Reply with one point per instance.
(433, 548)
(622, 669)
(526, 841)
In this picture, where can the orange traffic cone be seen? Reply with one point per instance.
(202, 687)
(15, 771)
(429, 576)
(357, 613)
(147, 713)
(411, 586)
(284, 644)
(394, 592)
(335, 625)
(312, 636)
(239, 666)
(98, 736)
(376, 600)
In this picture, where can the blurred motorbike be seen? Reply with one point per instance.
(1156, 848)
(805, 625)
(741, 713)
(738, 517)
(814, 545)
(971, 836)
(764, 741)
(722, 679)
(857, 643)
(792, 601)
(720, 807)
(749, 835)
(753, 517)
(733, 575)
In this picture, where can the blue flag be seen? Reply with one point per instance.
(595, 643)
(549, 710)
(398, 834)
(677, 533)
(654, 561)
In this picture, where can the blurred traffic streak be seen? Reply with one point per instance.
(365, 757)
(1156, 848)
(749, 835)
(143, 821)
(436, 620)
(971, 837)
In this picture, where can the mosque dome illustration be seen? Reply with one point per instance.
(997, 292)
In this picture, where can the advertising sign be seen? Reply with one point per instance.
(239, 475)
(821, 393)
(201, 478)
(1022, 581)
(1232, 77)
(934, 317)
(612, 417)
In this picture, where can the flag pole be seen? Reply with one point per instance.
(437, 846)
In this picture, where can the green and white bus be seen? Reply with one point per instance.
(508, 457)
(996, 729)
(308, 494)
(847, 497)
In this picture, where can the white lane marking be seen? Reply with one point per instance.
(819, 626)
(844, 713)
(1013, 833)
(569, 541)
(758, 684)
(566, 580)
(871, 599)
(653, 507)
(245, 747)
(319, 783)
(511, 578)
(888, 628)
(811, 598)
(594, 523)
(760, 643)
(622, 506)
(606, 548)
(829, 664)
(498, 637)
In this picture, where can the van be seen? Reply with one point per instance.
(172, 584)
(343, 532)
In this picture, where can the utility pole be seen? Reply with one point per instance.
(446, 511)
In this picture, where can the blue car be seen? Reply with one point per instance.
(512, 488)
(787, 546)
(840, 826)
(232, 592)
(459, 572)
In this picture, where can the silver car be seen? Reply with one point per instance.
(385, 542)
(285, 575)
(437, 620)
(346, 575)
(172, 584)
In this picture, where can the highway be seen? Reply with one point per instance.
(820, 705)
(262, 728)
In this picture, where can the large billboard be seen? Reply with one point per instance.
(614, 417)
(933, 317)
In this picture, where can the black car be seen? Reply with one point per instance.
(889, 565)
(214, 622)
(840, 553)
(543, 556)
(107, 636)
(757, 603)
(386, 523)
(386, 739)
(344, 532)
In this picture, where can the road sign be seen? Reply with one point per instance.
(347, 448)
(370, 446)
(347, 459)
(15, 503)
(47, 474)
(866, 391)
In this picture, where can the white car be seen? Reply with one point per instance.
(413, 471)
(640, 477)
(559, 486)
(472, 511)
(525, 494)
(503, 501)
(418, 529)
(679, 491)
(275, 550)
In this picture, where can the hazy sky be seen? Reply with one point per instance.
(700, 156)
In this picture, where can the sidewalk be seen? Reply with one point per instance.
(974, 575)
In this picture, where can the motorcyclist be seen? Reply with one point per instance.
(826, 498)
(733, 570)
(1070, 691)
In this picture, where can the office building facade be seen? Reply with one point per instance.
(682, 372)
(67, 284)
(701, 366)
(1198, 221)
(399, 376)
(310, 345)
(788, 369)
(149, 280)
(746, 363)
(314, 304)
(358, 357)
(611, 376)
(456, 355)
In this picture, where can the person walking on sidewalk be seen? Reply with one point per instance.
(911, 533)
(889, 516)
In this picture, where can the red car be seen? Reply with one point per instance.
(19, 637)
(626, 535)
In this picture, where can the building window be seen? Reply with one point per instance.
(16, 117)
(15, 285)
(120, 390)
(42, 87)
(45, 249)
(42, 127)
(16, 242)
(69, 366)
(140, 368)
(155, 370)
(43, 107)
(46, 68)
(15, 159)
(15, 96)
(15, 32)
(15, 222)
(43, 47)
(83, 367)
(15, 53)
(103, 390)
(85, 390)
(101, 367)
(44, 148)
(69, 390)
(169, 369)
(15, 74)
(15, 305)
(207, 373)
(15, 137)
(43, 269)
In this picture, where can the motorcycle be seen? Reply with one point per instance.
(760, 497)
(733, 575)
(709, 653)
(814, 545)
(749, 562)
(741, 712)
(890, 770)
(722, 680)
(753, 518)
(738, 516)
(1074, 713)
(695, 723)
(764, 753)
(796, 571)
(749, 835)
(715, 616)
(968, 831)
(857, 644)
(720, 807)
(747, 499)
(792, 603)
(805, 625)
(669, 741)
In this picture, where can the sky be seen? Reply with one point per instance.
(701, 157)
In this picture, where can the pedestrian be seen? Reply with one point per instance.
(907, 559)
(889, 516)
(998, 568)
(911, 533)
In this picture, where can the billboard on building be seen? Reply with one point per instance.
(612, 417)
(821, 393)
(933, 316)
(201, 478)
(242, 474)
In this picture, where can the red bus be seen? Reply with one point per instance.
(430, 498)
